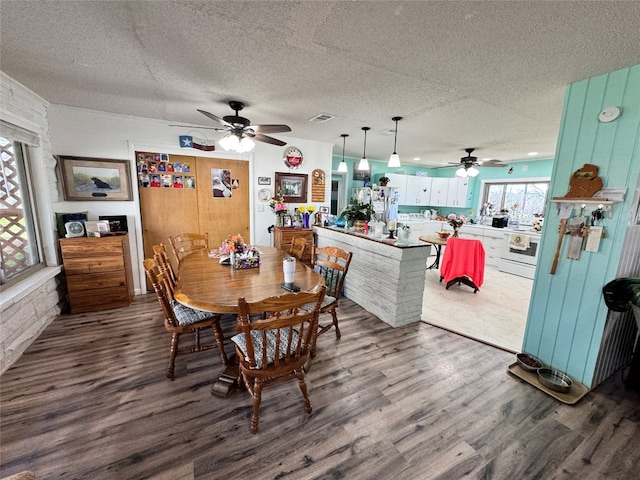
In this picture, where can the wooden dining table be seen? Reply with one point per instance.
(206, 284)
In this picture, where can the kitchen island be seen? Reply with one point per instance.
(386, 279)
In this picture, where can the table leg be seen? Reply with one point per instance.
(227, 382)
(436, 262)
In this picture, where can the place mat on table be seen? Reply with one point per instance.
(571, 397)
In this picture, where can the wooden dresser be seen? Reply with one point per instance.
(98, 271)
(284, 236)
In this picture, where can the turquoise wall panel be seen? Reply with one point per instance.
(567, 312)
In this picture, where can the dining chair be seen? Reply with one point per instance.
(463, 262)
(161, 256)
(275, 349)
(298, 247)
(179, 319)
(186, 243)
(333, 264)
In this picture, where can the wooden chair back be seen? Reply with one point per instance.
(160, 283)
(161, 256)
(186, 243)
(275, 349)
(333, 264)
(298, 247)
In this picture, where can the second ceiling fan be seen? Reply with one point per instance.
(468, 164)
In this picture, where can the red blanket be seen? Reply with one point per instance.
(463, 257)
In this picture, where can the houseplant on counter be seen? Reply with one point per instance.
(384, 181)
(357, 213)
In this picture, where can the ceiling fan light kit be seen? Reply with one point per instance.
(343, 165)
(394, 159)
(364, 163)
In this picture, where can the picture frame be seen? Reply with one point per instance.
(102, 179)
(264, 180)
(287, 221)
(324, 209)
(362, 175)
(292, 187)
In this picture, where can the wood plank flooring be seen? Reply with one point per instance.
(90, 400)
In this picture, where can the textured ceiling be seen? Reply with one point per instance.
(482, 74)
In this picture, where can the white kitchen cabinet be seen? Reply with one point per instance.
(424, 190)
(399, 181)
(457, 192)
(439, 192)
(412, 194)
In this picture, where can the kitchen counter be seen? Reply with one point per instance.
(387, 280)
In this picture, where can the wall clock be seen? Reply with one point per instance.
(74, 229)
(293, 157)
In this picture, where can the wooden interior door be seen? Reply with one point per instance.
(166, 212)
(221, 216)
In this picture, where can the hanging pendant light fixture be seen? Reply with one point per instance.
(343, 165)
(364, 163)
(394, 159)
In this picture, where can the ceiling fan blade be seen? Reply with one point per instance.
(217, 129)
(492, 163)
(266, 139)
(269, 128)
(215, 118)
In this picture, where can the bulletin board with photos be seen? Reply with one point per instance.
(157, 170)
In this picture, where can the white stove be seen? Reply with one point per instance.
(515, 258)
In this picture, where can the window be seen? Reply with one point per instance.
(18, 241)
(527, 198)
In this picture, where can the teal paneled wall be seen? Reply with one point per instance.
(567, 312)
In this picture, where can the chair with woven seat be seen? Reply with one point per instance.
(332, 263)
(298, 247)
(179, 319)
(186, 243)
(275, 349)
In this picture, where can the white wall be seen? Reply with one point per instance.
(87, 133)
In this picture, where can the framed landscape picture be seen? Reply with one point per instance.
(95, 178)
(292, 186)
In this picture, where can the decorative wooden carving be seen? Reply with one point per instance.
(317, 185)
(584, 182)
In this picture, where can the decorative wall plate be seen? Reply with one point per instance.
(292, 157)
(264, 194)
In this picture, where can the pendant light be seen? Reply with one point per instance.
(394, 159)
(364, 163)
(343, 165)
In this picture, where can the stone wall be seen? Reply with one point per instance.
(31, 304)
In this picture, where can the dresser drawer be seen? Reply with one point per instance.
(78, 266)
(91, 281)
(98, 299)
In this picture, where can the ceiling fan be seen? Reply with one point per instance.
(239, 130)
(468, 164)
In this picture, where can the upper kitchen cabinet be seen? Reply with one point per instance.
(399, 181)
(418, 190)
(439, 192)
(457, 193)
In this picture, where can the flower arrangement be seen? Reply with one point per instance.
(277, 204)
(487, 209)
(306, 209)
(456, 222)
(233, 244)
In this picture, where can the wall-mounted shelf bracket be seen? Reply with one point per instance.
(592, 203)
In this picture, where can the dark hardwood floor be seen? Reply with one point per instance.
(90, 400)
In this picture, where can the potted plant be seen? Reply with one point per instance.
(357, 213)
(383, 181)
